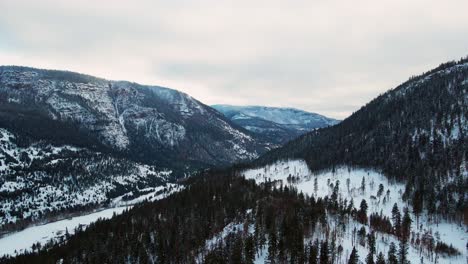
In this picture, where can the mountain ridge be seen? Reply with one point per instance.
(115, 113)
(276, 124)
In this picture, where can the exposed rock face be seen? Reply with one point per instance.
(145, 123)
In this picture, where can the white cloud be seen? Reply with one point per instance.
(325, 56)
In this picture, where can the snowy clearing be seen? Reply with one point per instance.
(296, 173)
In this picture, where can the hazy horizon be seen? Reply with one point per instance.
(327, 57)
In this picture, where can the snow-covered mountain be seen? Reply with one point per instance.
(41, 180)
(150, 124)
(276, 124)
(71, 142)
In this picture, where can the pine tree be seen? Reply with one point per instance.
(272, 247)
(370, 259)
(249, 250)
(354, 257)
(417, 204)
(405, 234)
(392, 258)
(396, 218)
(380, 191)
(363, 185)
(315, 185)
(362, 213)
(406, 225)
(403, 251)
(236, 252)
(380, 259)
(371, 246)
(324, 254)
(313, 253)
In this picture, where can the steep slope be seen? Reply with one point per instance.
(71, 142)
(42, 180)
(276, 124)
(148, 124)
(416, 132)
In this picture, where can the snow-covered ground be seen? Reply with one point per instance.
(17, 242)
(350, 180)
(23, 240)
(32, 194)
(153, 194)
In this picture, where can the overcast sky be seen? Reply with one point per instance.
(323, 56)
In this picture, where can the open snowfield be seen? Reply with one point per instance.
(350, 180)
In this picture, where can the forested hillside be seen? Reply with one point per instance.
(416, 133)
(387, 185)
(223, 218)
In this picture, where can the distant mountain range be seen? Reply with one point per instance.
(275, 124)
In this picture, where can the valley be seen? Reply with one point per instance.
(189, 184)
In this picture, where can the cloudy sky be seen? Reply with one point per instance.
(324, 56)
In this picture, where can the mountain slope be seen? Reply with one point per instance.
(150, 124)
(421, 120)
(42, 180)
(295, 214)
(416, 132)
(276, 124)
(71, 142)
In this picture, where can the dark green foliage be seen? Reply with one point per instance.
(354, 257)
(444, 249)
(396, 218)
(380, 223)
(313, 252)
(380, 259)
(395, 133)
(174, 230)
(362, 213)
(324, 253)
(392, 254)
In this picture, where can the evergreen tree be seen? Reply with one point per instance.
(392, 257)
(313, 253)
(406, 225)
(315, 185)
(236, 252)
(354, 257)
(249, 250)
(380, 191)
(371, 246)
(370, 259)
(324, 253)
(403, 251)
(396, 218)
(272, 247)
(363, 185)
(362, 213)
(380, 259)
(405, 234)
(417, 202)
